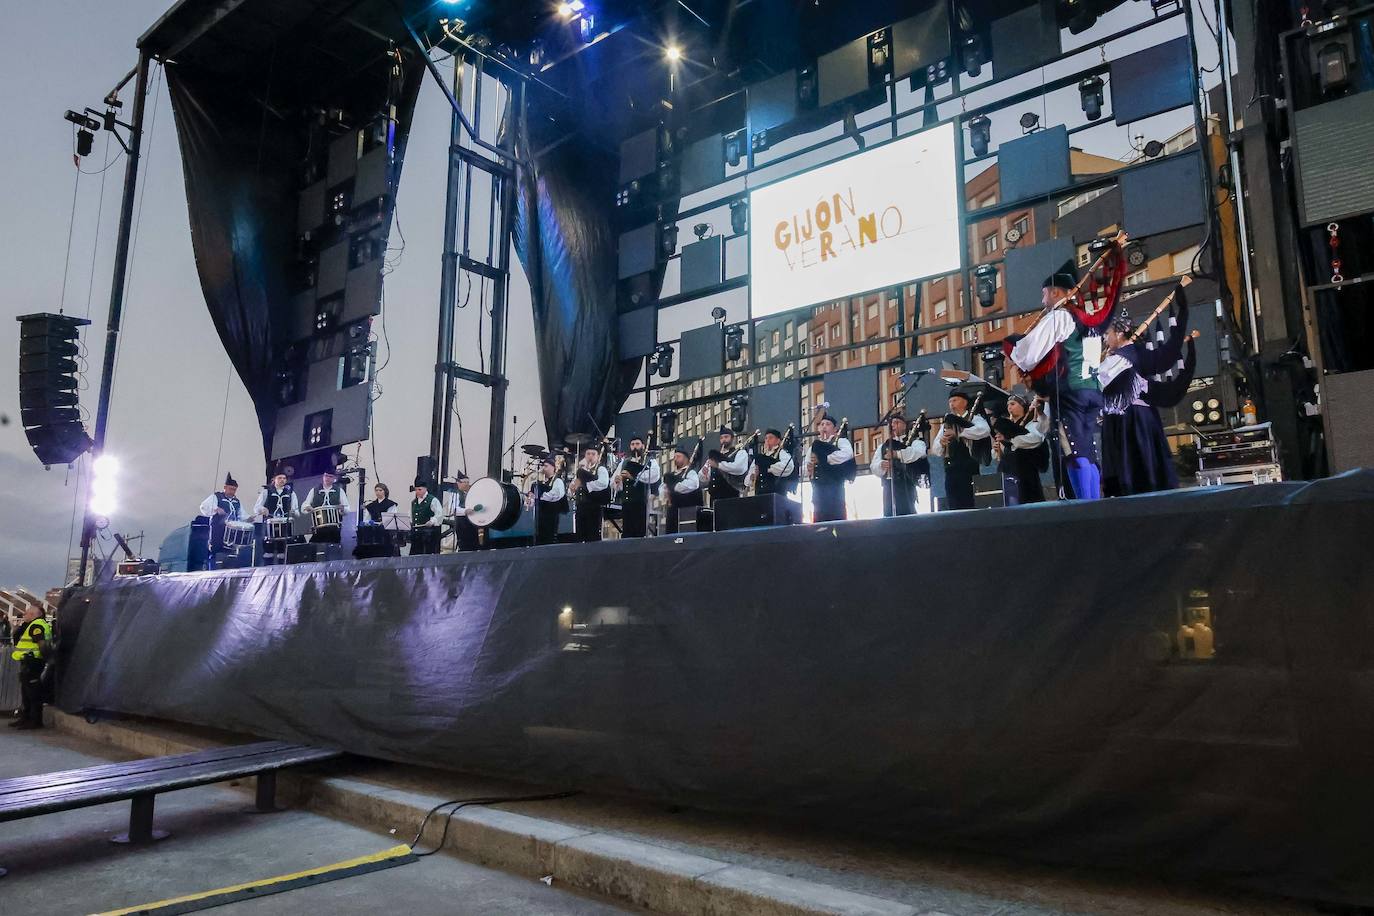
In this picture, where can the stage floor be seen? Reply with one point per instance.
(1178, 681)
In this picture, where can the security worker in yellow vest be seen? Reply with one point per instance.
(32, 643)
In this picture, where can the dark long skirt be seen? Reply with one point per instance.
(1135, 453)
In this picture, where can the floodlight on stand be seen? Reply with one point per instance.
(701, 230)
(734, 343)
(1030, 122)
(985, 284)
(980, 134)
(1090, 96)
(739, 216)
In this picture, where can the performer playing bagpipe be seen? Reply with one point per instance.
(963, 443)
(1060, 354)
(1021, 451)
(683, 491)
(776, 464)
(639, 476)
(548, 498)
(901, 461)
(1135, 451)
(832, 466)
(726, 474)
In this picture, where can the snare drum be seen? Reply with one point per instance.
(238, 535)
(327, 516)
(276, 528)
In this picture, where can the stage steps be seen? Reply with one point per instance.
(683, 861)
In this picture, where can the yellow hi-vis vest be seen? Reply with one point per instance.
(34, 632)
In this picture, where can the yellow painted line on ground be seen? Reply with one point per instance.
(392, 853)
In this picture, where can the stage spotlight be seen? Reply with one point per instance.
(673, 53)
(1030, 122)
(974, 54)
(663, 360)
(734, 343)
(985, 284)
(1078, 15)
(734, 147)
(1153, 149)
(980, 134)
(104, 481)
(668, 241)
(571, 8)
(1090, 92)
(85, 142)
(739, 216)
(718, 315)
(667, 427)
(737, 405)
(701, 230)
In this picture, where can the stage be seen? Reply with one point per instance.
(1177, 682)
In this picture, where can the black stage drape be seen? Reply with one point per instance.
(243, 129)
(1179, 682)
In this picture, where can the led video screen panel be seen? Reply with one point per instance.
(872, 220)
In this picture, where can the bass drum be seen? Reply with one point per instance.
(493, 504)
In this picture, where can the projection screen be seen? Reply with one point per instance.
(875, 219)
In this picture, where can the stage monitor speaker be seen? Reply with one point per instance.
(703, 264)
(49, 408)
(1335, 171)
(639, 155)
(1163, 196)
(1033, 165)
(637, 333)
(313, 553)
(1152, 81)
(773, 102)
(921, 41)
(1349, 419)
(853, 393)
(776, 406)
(761, 511)
(638, 251)
(701, 353)
(1027, 268)
(703, 164)
(1025, 39)
(343, 158)
(843, 73)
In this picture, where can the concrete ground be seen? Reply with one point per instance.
(64, 864)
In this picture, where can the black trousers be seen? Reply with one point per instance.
(425, 540)
(545, 523)
(329, 534)
(958, 488)
(587, 520)
(905, 502)
(31, 690)
(635, 519)
(827, 501)
(467, 534)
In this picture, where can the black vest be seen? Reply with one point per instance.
(377, 507)
(277, 501)
(768, 483)
(335, 497)
(233, 509)
(681, 500)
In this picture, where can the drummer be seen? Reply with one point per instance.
(457, 511)
(220, 507)
(277, 500)
(328, 494)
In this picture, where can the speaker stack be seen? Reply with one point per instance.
(49, 385)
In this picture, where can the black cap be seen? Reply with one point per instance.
(725, 430)
(229, 481)
(1066, 277)
(770, 431)
(962, 393)
(459, 475)
(421, 482)
(682, 449)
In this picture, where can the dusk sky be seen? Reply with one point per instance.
(172, 426)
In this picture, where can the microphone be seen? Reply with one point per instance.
(915, 372)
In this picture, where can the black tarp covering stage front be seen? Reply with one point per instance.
(1181, 683)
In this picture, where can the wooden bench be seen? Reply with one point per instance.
(139, 782)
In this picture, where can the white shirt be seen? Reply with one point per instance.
(260, 506)
(1051, 330)
(913, 452)
(343, 499)
(602, 481)
(979, 430)
(783, 466)
(556, 491)
(210, 504)
(738, 465)
(454, 509)
(649, 475)
(1035, 433)
(690, 481)
(1111, 367)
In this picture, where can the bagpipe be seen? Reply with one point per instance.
(1091, 301)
